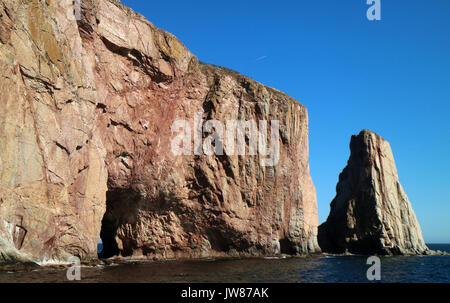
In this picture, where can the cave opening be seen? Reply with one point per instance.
(108, 232)
(121, 210)
(108, 235)
(287, 247)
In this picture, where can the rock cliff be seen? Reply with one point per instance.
(371, 213)
(86, 129)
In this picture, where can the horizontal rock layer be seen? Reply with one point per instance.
(371, 213)
(85, 129)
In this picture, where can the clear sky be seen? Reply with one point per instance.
(391, 76)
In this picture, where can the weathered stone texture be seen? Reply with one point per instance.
(85, 128)
(371, 213)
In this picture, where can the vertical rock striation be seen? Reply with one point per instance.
(85, 129)
(371, 213)
(52, 171)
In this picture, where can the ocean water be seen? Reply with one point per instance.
(352, 269)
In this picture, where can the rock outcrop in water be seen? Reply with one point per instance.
(371, 213)
(85, 129)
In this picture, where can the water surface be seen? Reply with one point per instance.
(423, 269)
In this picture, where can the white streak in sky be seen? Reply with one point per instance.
(261, 58)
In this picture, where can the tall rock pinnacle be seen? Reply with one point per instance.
(371, 213)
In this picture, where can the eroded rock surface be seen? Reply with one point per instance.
(85, 130)
(371, 213)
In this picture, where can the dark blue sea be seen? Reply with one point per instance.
(423, 269)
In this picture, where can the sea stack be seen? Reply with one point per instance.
(371, 213)
(86, 127)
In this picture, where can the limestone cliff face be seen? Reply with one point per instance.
(371, 213)
(85, 129)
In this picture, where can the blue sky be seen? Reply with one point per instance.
(391, 76)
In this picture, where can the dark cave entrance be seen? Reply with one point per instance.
(108, 232)
(121, 208)
(108, 235)
(287, 247)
